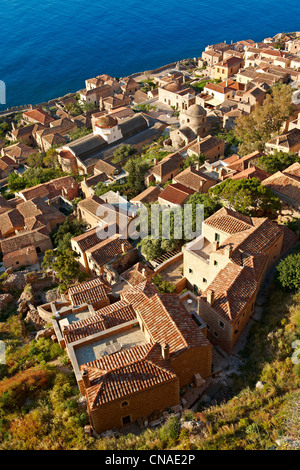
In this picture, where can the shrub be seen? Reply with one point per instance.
(169, 433)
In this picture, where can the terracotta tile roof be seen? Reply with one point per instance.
(229, 221)
(105, 213)
(6, 162)
(105, 167)
(65, 186)
(192, 178)
(107, 317)
(176, 193)
(166, 320)
(107, 249)
(87, 240)
(91, 291)
(150, 194)
(4, 205)
(94, 180)
(134, 275)
(254, 239)
(287, 139)
(241, 163)
(16, 254)
(125, 373)
(24, 239)
(286, 183)
(231, 61)
(9, 221)
(164, 317)
(251, 172)
(233, 287)
(168, 164)
(207, 143)
(39, 115)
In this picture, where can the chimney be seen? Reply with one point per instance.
(210, 296)
(155, 161)
(123, 248)
(86, 379)
(143, 272)
(165, 351)
(228, 251)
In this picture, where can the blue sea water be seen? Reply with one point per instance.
(49, 47)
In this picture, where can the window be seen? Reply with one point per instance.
(215, 263)
(208, 327)
(222, 324)
(216, 334)
(217, 237)
(125, 403)
(190, 271)
(126, 420)
(204, 280)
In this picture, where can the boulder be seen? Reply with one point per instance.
(35, 320)
(46, 333)
(5, 299)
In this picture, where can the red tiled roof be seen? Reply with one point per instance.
(286, 182)
(125, 373)
(91, 291)
(107, 317)
(229, 221)
(176, 193)
(233, 287)
(39, 115)
(107, 249)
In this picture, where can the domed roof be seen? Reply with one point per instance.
(195, 110)
(107, 121)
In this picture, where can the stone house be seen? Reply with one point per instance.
(227, 68)
(37, 116)
(286, 185)
(287, 142)
(212, 147)
(23, 257)
(148, 348)
(165, 170)
(229, 262)
(177, 95)
(195, 179)
(7, 165)
(174, 194)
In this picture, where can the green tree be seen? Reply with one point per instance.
(265, 121)
(248, 197)
(136, 168)
(80, 132)
(288, 271)
(122, 152)
(15, 182)
(277, 161)
(193, 159)
(151, 248)
(163, 286)
(64, 264)
(67, 230)
(50, 159)
(35, 160)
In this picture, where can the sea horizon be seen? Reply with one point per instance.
(52, 48)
